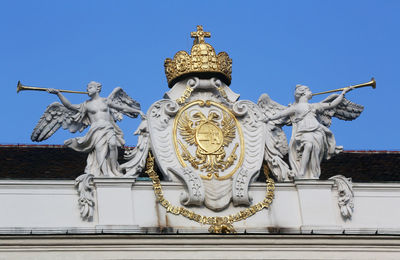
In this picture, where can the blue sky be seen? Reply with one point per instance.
(274, 46)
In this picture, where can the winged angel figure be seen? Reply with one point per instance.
(311, 140)
(104, 136)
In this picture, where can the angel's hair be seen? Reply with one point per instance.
(96, 84)
(300, 90)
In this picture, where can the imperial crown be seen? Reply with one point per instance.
(203, 61)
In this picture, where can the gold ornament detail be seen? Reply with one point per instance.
(217, 224)
(203, 59)
(186, 94)
(223, 93)
(210, 134)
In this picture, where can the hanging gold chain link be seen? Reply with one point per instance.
(217, 224)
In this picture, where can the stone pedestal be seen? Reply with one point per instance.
(114, 203)
(316, 206)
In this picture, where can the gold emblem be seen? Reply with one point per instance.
(211, 133)
(209, 137)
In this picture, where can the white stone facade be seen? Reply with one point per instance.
(40, 220)
(306, 206)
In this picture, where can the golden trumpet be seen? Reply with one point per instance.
(371, 83)
(22, 87)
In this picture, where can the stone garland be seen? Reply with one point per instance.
(217, 224)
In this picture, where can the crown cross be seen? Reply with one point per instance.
(199, 35)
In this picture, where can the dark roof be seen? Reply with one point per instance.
(42, 162)
(364, 166)
(59, 162)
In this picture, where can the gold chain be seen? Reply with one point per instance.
(186, 94)
(222, 92)
(218, 224)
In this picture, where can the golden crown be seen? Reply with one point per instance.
(202, 61)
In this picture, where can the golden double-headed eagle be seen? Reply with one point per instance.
(211, 135)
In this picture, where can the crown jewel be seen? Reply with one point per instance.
(202, 60)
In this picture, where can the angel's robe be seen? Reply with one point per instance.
(96, 143)
(308, 130)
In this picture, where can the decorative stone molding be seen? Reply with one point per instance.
(345, 195)
(84, 184)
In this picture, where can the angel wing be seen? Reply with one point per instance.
(185, 126)
(228, 129)
(55, 116)
(270, 108)
(276, 145)
(119, 98)
(346, 110)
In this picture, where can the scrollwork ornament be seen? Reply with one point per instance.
(240, 109)
(84, 184)
(171, 108)
(345, 195)
(163, 110)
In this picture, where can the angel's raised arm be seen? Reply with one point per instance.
(285, 113)
(63, 99)
(124, 108)
(334, 103)
(273, 110)
(119, 102)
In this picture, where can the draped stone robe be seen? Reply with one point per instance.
(308, 130)
(96, 143)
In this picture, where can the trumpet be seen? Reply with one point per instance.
(371, 83)
(21, 87)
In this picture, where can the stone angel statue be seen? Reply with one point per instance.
(104, 137)
(311, 140)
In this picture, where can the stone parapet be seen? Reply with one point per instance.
(302, 207)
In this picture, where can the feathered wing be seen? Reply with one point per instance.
(346, 110)
(271, 108)
(119, 97)
(228, 129)
(55, 116)
(276, 145)
(185, 126)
